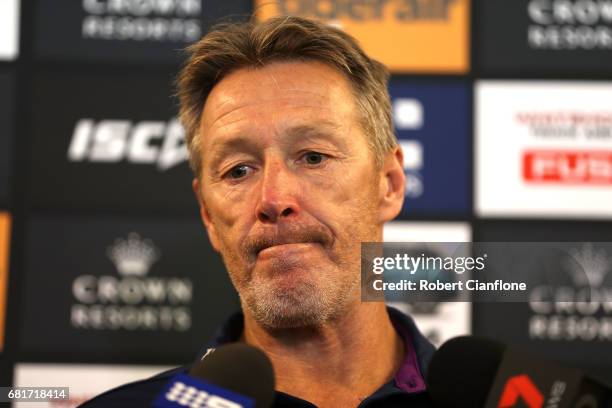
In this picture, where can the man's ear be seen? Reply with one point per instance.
(210, 227)
(392, 185)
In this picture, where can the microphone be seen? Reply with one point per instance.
(471, 372)
(232, 376)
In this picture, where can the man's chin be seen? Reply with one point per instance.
(288, 308)
(289, 320)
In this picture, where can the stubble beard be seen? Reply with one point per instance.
(317, 300)
(315, 296)
(309, 304)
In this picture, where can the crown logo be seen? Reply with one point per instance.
(590, 266)
(133, 256)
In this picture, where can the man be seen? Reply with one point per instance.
(289, 131)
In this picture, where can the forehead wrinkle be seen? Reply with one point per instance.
(223, 120)
(271, 73)
(225, 114)
(316, 130)
(247, 77)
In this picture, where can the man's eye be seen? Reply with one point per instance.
(238, 171)
(314, 158)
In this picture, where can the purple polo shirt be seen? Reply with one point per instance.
(408, 378)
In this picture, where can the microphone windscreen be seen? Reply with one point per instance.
(462, 371)
(241, 368)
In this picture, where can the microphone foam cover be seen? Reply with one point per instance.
(241, 368)
(462, 371)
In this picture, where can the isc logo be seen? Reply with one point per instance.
(140, 143)
(188, 396)
(568, 167)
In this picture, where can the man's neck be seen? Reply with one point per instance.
(347, 358)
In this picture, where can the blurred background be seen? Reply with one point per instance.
(503, 108)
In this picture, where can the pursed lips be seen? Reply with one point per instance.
(295, 245)
(289, 254)
(292, 240)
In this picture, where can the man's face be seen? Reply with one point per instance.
(289, 189)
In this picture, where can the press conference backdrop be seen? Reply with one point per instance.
(503, 108)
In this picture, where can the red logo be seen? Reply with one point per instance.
(568, 167)
(521, 387)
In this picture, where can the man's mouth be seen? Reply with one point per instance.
(286, 247)
(288, 251)
(287, 241)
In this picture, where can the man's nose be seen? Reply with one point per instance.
(278, 198)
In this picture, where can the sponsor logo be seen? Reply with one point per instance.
(569, 24)
(521, 387)
(567, 125)
(377, 25)
(110, 141)
(134, 256)
(413, 164)
(568, 167)
(131, 301)
(520, 390)
(142, 20)
(9, 29)
(408, 115)
(5, 224)
(539, 144)
(582, 311)
(189, 396)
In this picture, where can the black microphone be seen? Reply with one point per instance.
(232, 376)
(473, 372)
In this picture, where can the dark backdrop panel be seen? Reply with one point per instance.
(549, 37)
(126, 31)
(6, 135)
(561, 329)
(107, 142)
(119, 289)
